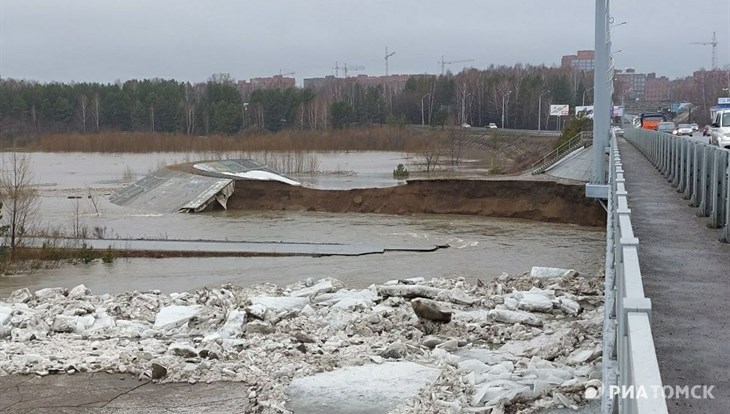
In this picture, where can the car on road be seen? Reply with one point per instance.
(695, 127)
(492, 125)
(684, 129)
(666, 127)
(465, 125)
(720, 129)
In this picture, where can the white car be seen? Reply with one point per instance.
(492, 126)
(684, 129)
(465, 125)
(695, 127)
(720, 129)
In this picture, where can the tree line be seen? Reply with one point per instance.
(473, 96)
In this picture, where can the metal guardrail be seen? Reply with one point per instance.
(579, 140)
(629, 358)
(699, 171)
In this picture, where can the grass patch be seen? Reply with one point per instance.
(380, 138)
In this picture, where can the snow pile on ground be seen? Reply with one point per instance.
(518, 344)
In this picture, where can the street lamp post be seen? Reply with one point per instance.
(539, 110)
(504, 96)
(423, 121)
(463, 108)
(584, 95)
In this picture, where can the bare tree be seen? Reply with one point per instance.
(457, 140)
(431, 154)
(83, 110)
(78, 224)
(95, 110)
(19, 197)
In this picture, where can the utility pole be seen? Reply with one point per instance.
(504, 96)
(337, 70)
(584, 95)
(423, 119)
(387, 56)
(602, 92)
(539, 110)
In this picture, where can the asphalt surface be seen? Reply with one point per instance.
(686, 274)
(102, 393)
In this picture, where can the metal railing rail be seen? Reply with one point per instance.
(579, 140)
(629, 356)
(698, 170)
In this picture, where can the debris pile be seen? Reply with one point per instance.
(518, 344)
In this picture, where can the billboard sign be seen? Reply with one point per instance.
(587, 111)
(679, 106)
(584, 112)
(559, 110)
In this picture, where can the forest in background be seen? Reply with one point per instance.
(216, 107)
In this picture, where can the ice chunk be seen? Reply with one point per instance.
(508, 316)
(551, 272)
(279, 303)
(173, 316)
(535, 302)
(77, 292)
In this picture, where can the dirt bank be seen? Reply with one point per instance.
(534, 200)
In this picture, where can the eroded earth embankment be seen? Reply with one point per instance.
(534, 200)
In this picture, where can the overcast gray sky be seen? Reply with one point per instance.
(105, 40)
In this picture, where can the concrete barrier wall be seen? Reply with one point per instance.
(631, 369)
(699, 171)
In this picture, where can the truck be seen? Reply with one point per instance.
(651, 120)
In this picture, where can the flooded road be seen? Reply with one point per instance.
(479, 247)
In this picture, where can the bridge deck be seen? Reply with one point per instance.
(686, 274)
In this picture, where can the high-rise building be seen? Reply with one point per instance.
(272, 82)
(630, 83)
(394, 83)
(656, 88)
(582, 60)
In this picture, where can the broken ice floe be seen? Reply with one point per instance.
(521, 342)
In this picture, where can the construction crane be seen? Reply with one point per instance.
(713, 43)
(346, 68)
(443, 63)
(286, 74)
(387, 56)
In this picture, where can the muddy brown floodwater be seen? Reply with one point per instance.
(480, 247)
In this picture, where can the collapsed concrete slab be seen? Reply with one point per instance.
(366, 389)
(167, 190)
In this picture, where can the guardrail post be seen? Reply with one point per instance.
(675, 161)
(682, 171)
(667, 155)
(689, 171)
(630, 305)
(707, 158)
(670, 154)
(725, 235)
(717, 189)
(663, 163)
(697, 176)
(644, 369)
